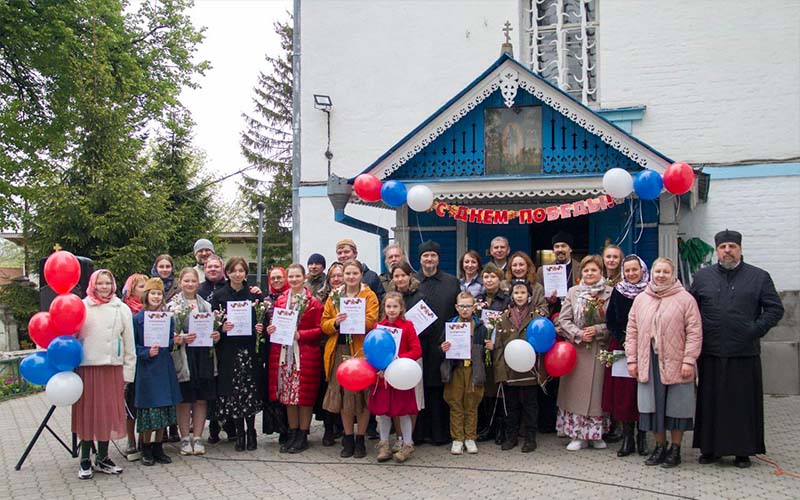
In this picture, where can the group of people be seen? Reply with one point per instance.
(692, 355)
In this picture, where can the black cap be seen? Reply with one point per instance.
(521, 282)
(429, 246)
(728, 236)
(316, 258)
(562, 237)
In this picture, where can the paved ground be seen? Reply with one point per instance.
(433, 473)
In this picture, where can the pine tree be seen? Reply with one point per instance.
(266, 143)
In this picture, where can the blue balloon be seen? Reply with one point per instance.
(36, 369)
(541, 334)
(648, 184)
(379, 348)
(65, 353)
(393, 193)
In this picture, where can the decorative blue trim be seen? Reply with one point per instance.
(750, 171)
(485, 178)
(313, 192)
(631, 113)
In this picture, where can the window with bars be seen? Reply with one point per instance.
(561, 44)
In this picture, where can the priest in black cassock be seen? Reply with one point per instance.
(739, 305)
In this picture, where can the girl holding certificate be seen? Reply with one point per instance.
(240, 371)
(352, 405)
(294, 370)
(108, 365)
(157, 390)
(331, 421)
(194, 364)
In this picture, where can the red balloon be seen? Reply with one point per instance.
(40, 330)
(67, 314)
(560, 359)
(368, 187)
(356, 374)
(678, 178)
(62, 271)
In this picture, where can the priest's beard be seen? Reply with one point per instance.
(729, 265)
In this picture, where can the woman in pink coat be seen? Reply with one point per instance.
(663, 342)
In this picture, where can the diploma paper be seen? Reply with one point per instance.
(356, 310)
(555, 278)
(458, 334)
(620, 367)
(421, 316)
(285, 320)
(156, 328)
(201, 324)
(239, 312)
(397, 335)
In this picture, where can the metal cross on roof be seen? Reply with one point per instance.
(507, 30)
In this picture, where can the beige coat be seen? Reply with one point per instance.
(581, 390)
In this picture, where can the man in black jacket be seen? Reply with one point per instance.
(739, 304)
(440, 290)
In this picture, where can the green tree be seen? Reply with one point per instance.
(266, 143)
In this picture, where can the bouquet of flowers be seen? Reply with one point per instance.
(335, 296)
(593, 313)
(261, 308)
(180, 313)
(609, 357)
(491, 326)
(219, 320)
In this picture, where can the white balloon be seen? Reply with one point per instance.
(64, 388)
(618, 182)
(520, 356)
(403, 374)
(419, 198)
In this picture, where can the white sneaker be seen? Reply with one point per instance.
(186, 446)
(85, 469)
(398, 444)
(472, 448)
(457, 448)
(197, 444)
(577, 444)
(598, 444)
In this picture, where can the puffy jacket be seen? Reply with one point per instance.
(673, 320)
(738, 307)
(107, 337)
(329, 327)
(308, 327)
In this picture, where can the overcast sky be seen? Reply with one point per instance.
(238, 35)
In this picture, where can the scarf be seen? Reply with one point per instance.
(91, 292)
(168, 281)
(587, 302)
(519, 315)
(659, 289)
(132, 301)
(285, 282)
(631, 290)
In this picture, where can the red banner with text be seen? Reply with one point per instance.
(526, 215)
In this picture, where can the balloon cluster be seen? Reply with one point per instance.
(394, 193)
(559, 357)
(356, 374)
(54, 331)
(647, 184)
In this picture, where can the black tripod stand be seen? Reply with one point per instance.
(72, 451)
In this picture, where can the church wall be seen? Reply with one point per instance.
(720, 82)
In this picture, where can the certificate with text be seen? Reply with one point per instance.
(356, 310)
(285, 321)
(397, 335)
(460, 337)
(555, 278)
(240, 313)
(421, 315)
(156, 328)
(202, 325)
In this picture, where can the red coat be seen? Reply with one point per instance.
(409, 342)
(385, 399)
(310, 357)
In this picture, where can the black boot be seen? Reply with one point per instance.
(300, 443)
(240, 438)
(327, 437)
(348, 446)
(147, 454)
(213, 431)
(628, 443)
(614, 435)
(174, 436)
(372, 428)
(500, 431)
(250, 436)
(530, 442)
(159, 455)
(673, 458)
(658, 455)
(360, 448)
(230, 429)
(641, 443)
(512, 440)
(290, 437)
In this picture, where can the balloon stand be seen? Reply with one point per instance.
(72, 451)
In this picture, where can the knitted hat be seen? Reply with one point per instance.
(562, 237)
(203, 244)
(153, 284)
(316, 258)
(521, 282)
(346, 241)
(429, 246)
(728, 236)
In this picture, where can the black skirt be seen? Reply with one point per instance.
(730, 407)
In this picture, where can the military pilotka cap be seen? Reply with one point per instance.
(728, 236)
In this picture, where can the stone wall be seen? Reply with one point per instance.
(780, 350)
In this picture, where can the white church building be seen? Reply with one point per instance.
(509, 106)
